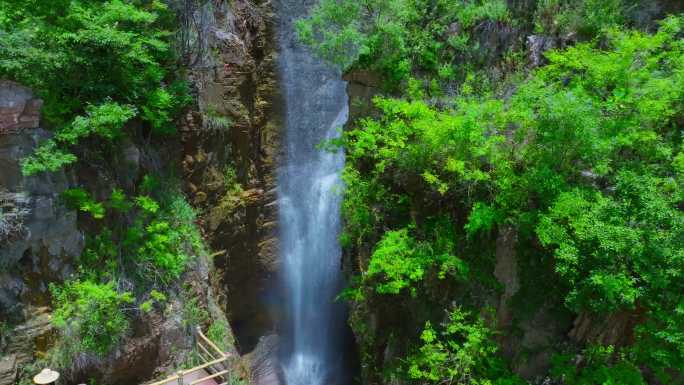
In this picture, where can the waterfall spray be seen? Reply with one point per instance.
(316, 106)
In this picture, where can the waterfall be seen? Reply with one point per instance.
(315, 106)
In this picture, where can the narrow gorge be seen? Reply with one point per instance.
(342, 192)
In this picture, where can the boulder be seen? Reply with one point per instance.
(263, 362)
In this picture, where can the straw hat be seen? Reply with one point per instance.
(46, 376)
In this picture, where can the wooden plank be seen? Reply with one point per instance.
(166, 380)
(210, 343)
(210, 363)
(221, 373)
(207, 351)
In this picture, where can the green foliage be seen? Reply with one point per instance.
(155, 297)
(153, 247)
(232, 198)
(182, 216)
(218, 332)
(193, 313)
(89, 315)
(463, 352)
(395, 258)
(584, 158)
(230, 180)
(401, 261)
(397, 38)
(147, 204)
(237, 380)
(96, 64)
(482, 217)
(145, 240)
(215, 120)
(586, 17)
(105, 121)
(118, 201)
(156, 246)
(48, 157)
(159, 258)
(78, 198)
(600, 367)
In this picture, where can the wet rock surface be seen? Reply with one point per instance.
(264, 366)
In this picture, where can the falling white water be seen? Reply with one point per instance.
(315, 106)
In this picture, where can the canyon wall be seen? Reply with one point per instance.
(230, 145)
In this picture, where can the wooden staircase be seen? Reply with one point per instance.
(214, 370)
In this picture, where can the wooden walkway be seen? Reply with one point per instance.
(214, 370)
(191, 378)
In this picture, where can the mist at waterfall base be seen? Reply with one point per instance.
(316, 341)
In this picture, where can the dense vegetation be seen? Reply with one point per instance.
(108, 73)
(149, 247)
(579, 161)
(96, 64)
(581, 158)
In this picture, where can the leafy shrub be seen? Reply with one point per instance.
(89, 315)
(400, 261)
(463, 352)
(78, 198)
(146, 239)
(154, 246)
(396, 38)
(600, 367)
(193, 312)
(586, 17)
(155, 297)
(47, 157)
(159, 258)
(214, 120)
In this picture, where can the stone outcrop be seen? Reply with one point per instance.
(39, 238)
(18, 108)
(233, 77)
(616, 329)
(263, 362)
(230, 138)
(23, 342)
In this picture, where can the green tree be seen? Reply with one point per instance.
(96, 64)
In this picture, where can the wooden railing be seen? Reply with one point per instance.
(215, 366)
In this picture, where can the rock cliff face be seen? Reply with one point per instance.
(230, 144)
(40, 240)
(38, 235)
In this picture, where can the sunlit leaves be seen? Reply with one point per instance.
(97, 65)
(585, 156)
(91, 315)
